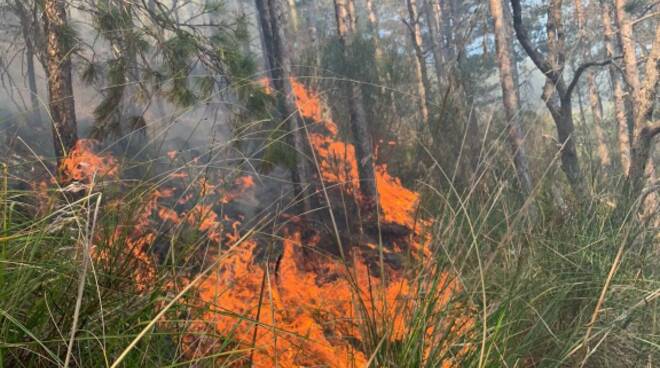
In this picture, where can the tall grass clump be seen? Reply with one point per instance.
(68, 289)
(569, 286)
(574, 287)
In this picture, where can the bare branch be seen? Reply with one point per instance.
(650, 131)
(521, 33)
(581, 69)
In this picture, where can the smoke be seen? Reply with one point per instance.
(168, 126)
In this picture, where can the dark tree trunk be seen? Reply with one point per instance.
(28, 33)
(60, 85)
(359, 127)
(556, 94)
(272, 18)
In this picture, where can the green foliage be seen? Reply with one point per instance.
(90, 73)
(40, 268)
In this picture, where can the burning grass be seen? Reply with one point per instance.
(302, 305)
(186, 273)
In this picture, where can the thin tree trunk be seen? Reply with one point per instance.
(592, 89)
(508, 26)
(352, 15)
(363, 144)
(28, 36)
(421, 73)
(641, 159)
(509, 95)
(272, 20)
(373, 27)
(631, 74)
(432, 11)
(312, 25)
(118, 115)
(580, 98)
(556, 94)
(247, 49)
(562, 107)
(293, 12)
(621, 106)
(597, 115)
(60, 86)
(448, 22)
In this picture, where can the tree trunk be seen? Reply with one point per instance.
(448, 24)
(301, 173)
(509, 95)
(373, 28)
(432, 12)
(60, 86)
(622, 107)
(562, 108)
(272, 20)
(421, 73)
(556, 94)
(641, 159)
(363, 145)
(643, 99)
(641, 153)
(352, 15)
(583, 115)
(646, 96)
(311, 18)
(627, 42)
(597, 116)
(28, 35)
(266, 37)
(508, 26)
(293, 12)
(592, 89)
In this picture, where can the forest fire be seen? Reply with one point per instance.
(301, 308)
(301, 304)
(271, 183)
(293, 298)
(290, 300)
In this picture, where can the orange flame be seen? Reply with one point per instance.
(296, 310)
(299, 316)
(83, 164)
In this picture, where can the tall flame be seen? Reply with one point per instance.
(303, 307)
(298, 315)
